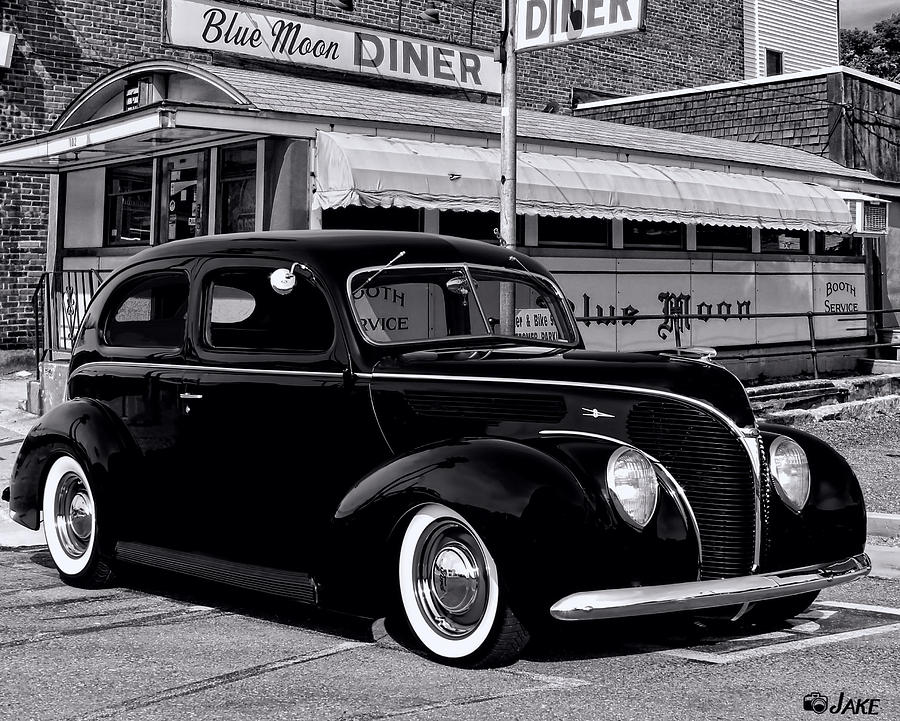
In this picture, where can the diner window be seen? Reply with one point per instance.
(837, 244)
(246, 313)
(724, 239)
(773, 240)
(185, 183)
(236, 206)
(477, 225)
(356, 217)
(150, 314)
(588, 232)
(646, 235)
(129, 193)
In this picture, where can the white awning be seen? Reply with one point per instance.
(375, 171)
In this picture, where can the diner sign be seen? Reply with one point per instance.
(546, 23)
(269, 35)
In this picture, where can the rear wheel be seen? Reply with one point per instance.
(451, 594)
(71, 524)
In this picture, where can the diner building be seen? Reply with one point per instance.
(632, 221)
(262, 122)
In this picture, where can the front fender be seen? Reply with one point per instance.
(832, 525)
(91, 433)
(543, 516)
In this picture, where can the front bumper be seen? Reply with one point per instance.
(668, 598)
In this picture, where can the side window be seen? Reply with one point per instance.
(150, 313)
(244, 312)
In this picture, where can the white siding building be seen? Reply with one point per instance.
(789, 36)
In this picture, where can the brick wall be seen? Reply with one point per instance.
(795, 113)
(65, 45)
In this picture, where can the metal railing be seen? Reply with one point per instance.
(676, 322)
(58, 304)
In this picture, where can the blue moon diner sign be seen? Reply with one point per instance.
(268, 35)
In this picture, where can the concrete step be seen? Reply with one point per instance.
(879, 365)
(858, 409)
(801, 398)
(787, 387)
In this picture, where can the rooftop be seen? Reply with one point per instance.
(291, 94)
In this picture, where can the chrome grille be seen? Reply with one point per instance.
(713, 467)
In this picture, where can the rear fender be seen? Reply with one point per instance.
(92, 434)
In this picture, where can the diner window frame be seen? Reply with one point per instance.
(216, 180)
(108, 194)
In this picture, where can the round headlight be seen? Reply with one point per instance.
(632, 482)
(790, 469)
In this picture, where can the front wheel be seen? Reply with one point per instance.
(71, 526)
(451, 594)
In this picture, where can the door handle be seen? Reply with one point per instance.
(190, 396)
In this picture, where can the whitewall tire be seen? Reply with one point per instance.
(451, 594)
(70, 523)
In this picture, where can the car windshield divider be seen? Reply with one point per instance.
(474, 286)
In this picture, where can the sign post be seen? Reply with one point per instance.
(544, 24)
(508, 158)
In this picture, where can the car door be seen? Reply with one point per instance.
(136, 370)
(279, 430)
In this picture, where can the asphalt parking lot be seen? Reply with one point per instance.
(159, 646)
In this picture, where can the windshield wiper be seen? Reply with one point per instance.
(381, 270)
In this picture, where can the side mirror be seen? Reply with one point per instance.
(458, 285)
(283, 280)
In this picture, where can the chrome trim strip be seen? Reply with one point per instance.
(667, 598)
(678, 491)
(750, 441)
(673, 485)
(597, 436)
(224, 369)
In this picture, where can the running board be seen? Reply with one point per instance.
(289, 584)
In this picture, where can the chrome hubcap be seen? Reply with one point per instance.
(451, 588)
(74, 515)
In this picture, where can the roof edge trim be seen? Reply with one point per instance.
(749, 82)
(141, 68)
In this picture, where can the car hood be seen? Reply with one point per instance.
(586, 374)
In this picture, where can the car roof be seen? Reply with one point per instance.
(339, 252)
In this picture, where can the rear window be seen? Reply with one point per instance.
(149, 313)
(245, 313)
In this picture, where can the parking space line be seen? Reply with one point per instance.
(771, 650)
(861, 607)
(547, 683)
(193, 687)
(167, 617)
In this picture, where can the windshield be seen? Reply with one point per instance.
(405, 304)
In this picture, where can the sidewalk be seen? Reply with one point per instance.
(14, 426)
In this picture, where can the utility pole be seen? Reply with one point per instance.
(508, 157)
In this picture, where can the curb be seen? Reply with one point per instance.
(883, 524)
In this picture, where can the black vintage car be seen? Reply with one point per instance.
(407, 423)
